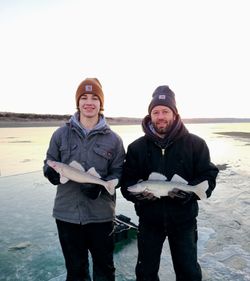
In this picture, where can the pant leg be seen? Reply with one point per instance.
(102, 249)
(150, 241)
(74, 247)
(183, 247)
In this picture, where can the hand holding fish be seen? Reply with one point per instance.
(145, 195)
(52, 175)
(182, 196)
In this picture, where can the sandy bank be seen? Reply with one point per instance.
(17, 124)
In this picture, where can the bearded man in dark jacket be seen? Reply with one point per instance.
(167, 148)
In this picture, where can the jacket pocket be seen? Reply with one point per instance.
(69, 152)
(102, 156)
(103, 151)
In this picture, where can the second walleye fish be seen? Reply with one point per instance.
(158, 185)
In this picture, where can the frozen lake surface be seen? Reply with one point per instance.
(30, 250)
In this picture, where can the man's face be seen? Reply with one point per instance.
(162, 118)
(89, 105)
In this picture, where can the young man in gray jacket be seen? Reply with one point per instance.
(84, 212)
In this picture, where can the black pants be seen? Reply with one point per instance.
(183, 246)
(76, 240)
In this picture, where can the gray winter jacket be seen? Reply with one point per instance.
(100, 148)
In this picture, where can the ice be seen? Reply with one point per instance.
(232, 263)
(29, 246)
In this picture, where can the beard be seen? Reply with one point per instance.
(161, 128)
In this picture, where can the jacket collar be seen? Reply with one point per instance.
(100, 126)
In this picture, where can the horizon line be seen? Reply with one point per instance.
(24, 114)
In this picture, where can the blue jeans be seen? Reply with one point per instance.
(183, 247)
(76, 240)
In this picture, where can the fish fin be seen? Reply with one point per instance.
(63, 180)
(177, 178)
(111, 184)
(92, 171)
(76, 165)
(157, 176)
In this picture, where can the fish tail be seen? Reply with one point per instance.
(111, 184)
(201, 189)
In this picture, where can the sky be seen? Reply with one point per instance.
(199, 48)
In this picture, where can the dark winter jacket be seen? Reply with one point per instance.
(179, 153)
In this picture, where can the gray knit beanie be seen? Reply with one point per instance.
(163, 96)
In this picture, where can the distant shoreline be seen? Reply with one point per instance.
(31, 122)
(245, 135)
(12, 120)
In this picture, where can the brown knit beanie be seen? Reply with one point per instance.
(163, 95)
(90, 86)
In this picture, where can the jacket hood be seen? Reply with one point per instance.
(100, 126)
(177, 130)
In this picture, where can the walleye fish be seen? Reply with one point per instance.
(75, 172)
(158, 185)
